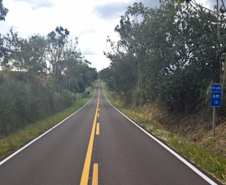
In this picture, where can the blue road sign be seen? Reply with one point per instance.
(216, 95)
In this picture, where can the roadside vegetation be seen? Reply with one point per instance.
(169, 55)
(25, 98)
(16, 140)
(39, 76)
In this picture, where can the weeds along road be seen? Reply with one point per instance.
(97, 145)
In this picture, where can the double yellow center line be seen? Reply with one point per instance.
(86, 168)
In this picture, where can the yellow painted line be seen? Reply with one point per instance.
(86, 168)
(98, 129)
(95, 174)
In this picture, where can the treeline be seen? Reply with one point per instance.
(169, 55)
(39, 76)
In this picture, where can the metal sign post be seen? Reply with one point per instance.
(216, 95)
(214, 116)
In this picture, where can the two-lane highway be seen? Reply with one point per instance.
(97, 145)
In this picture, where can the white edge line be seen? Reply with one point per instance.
(167, 148)
(28, 144)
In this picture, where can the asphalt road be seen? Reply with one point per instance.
(97, 145)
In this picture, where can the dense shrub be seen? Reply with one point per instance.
(21, 104)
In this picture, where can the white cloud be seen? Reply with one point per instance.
(88, 51)
(110, 10)
(91, 21)
(38, 4)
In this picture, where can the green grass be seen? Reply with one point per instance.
(208, 161)
(18, 139)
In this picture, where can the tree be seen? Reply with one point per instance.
(218, 17)
(183, 59)
(34, 50)
(9, 46)
(27, 92)
(165, 52)
(54, 52)
(66, 64)
(130, 51)
(3, 11)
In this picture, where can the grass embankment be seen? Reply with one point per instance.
(208, 161)
(18, 139)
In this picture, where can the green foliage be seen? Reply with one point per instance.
(162, 56)
(39, 77)
(23, 103)
(56, 55)
(3, 11)
(182, 1)
(63, 32)
(15, 140)
(200, 156)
